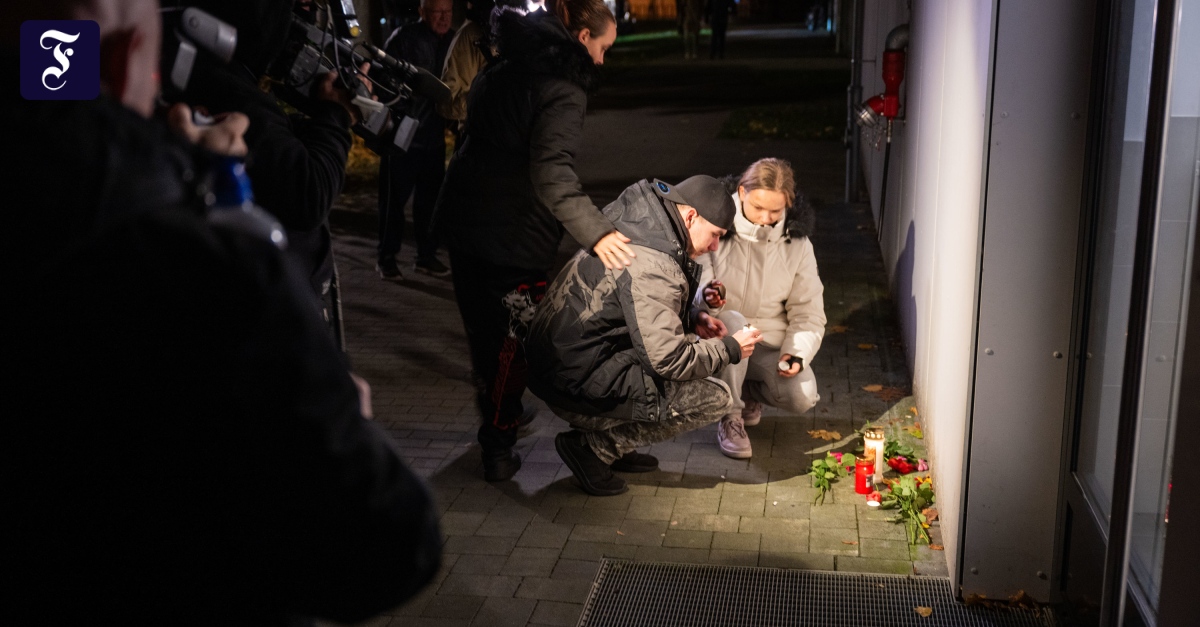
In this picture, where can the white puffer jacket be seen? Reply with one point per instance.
(773, 282)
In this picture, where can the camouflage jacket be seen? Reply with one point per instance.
(604, 341)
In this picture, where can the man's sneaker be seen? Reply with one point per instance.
(388, 270)
(634, 461)
(500, 465)
(595, 476)
(432, 267)
(751, 413)
(732, 438)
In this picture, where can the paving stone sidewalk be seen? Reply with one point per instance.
(525, 552)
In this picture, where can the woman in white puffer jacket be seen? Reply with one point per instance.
(768, 273)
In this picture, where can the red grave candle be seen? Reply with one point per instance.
(864, 468)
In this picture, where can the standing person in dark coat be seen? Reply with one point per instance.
(718, 18)
(418, 171)
(192, 448)
(512, 189)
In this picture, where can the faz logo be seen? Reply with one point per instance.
(60, 60)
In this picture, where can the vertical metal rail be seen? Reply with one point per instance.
(853, 97)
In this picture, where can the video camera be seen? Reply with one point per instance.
(321, 40)
(187, 34)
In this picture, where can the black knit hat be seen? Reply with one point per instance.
(706, 194)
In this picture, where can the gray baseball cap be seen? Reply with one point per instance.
(707, 194)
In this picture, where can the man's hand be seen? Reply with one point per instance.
(225, 136)
(794, 370)
(364, 396)
(613, 251)
(331, 89)
(714, 294)
(747, 338)
(708, 327)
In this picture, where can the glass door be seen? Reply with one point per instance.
(1140, 216)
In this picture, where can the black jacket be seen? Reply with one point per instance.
(419, 45)
(297, 164)
(185, 445)
(512, 187)
(603, 342)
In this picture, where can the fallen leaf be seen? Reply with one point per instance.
(881, 586)
(914, 411)
(915, 431)
(850, 542)
(620, 533)
(937, 547)
(867, 347)
(925, 612)
(891, 395)
(674, 522)
(828, 436)
(837, 328)
(931, 514)
(874, 387)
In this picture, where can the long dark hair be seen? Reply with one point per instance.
(577, 15)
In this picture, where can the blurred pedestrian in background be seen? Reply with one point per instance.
(718, 12)
(469, 53)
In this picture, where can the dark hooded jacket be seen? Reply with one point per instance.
(603, 341)
(512, 187)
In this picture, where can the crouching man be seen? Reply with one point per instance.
(609, 350)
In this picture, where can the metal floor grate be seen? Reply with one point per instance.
(628, 594)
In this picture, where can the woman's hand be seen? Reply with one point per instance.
(714, 294)
(613, 251)
(708, 327)
(791, 371)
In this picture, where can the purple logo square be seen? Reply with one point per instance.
(60, 60)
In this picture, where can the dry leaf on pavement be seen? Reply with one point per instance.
(828, 436)
(891, 395)
(874, 387)
(867, 347)
(936, 547)
(849, 541)
(925, 612)
(931, 513)
(837, 328)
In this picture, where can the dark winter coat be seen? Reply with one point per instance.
(296, 164)
(603, 342)
(417, 44)
(512, 187)
(186, 445)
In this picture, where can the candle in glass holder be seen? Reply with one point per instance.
(864, 467)
(873, 446)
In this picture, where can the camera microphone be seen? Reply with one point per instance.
(420, 80)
